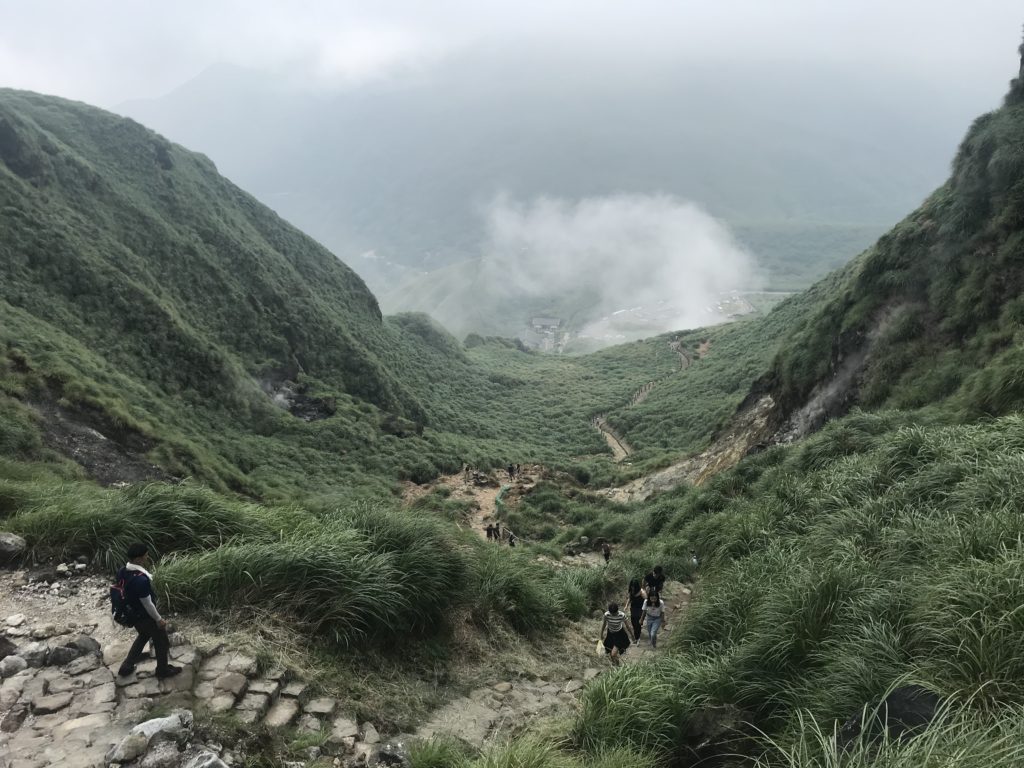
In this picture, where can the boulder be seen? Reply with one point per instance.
(163, 755)
(13, 718)
(7, 647)
(342, 729)
(12, 665)
(62, 655)
(175, 727)
(369, 734)
(11, 547)
(15, 620)
(43, 632)
(35, 654)
(132, 746)
(85, 645)
(83, 664)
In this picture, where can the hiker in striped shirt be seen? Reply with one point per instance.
(613, 628)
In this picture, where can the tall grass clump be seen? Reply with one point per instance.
(641, 707)
(510, 586)
(365, 574)
(78, 519)
(958, 738)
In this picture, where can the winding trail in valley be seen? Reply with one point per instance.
(621, 449)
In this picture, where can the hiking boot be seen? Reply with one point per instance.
(170, 671)
(124, 671)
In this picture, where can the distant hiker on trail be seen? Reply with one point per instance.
(655, 580)
(497, 532)
(637, 598)
(140, 613)
(490, 531)
(693, 559)
(613, 631)
(606, 550)
(654, 612)
(511, 472)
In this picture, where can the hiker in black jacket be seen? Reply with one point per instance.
(138, 593)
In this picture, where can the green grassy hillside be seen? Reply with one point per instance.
(148, 298)
(881, 549)
(936, 304)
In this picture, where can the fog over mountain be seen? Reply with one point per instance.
(388, 134)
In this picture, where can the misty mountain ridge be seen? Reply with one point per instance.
(399, 176)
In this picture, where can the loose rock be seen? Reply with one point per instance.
(12, 665)
(321, 706)
(13, 718)
(11, 546)
(369, 734)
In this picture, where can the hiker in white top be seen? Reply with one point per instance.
(654, 612)
(613, 629)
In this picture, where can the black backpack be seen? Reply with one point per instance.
(121, 612)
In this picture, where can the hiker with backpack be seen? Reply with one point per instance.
(132, 600)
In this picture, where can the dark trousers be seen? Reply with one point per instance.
(636, 620)
(148, 630)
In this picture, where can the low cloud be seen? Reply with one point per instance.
(658, 258)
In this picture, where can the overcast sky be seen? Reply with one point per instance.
(108, 51)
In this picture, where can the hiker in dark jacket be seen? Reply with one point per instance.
(147, 621)
(637, 598)
(655, 580)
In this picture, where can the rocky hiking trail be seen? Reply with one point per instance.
(505, 708)
(62, 703)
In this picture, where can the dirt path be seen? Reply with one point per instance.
(620, 449)
(747, 429)
(505, 708)
(479, 488)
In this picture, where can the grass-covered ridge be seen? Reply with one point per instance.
(148, 298)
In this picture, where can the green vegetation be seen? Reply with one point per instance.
(152, 301)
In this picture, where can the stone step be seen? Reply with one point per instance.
(282, 713)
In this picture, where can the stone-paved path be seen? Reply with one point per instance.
(62, 703)
(500, 710)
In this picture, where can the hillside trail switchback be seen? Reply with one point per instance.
(621, 450)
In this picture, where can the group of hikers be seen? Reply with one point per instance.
(132, 598)
(646, 606)
(495, 532)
